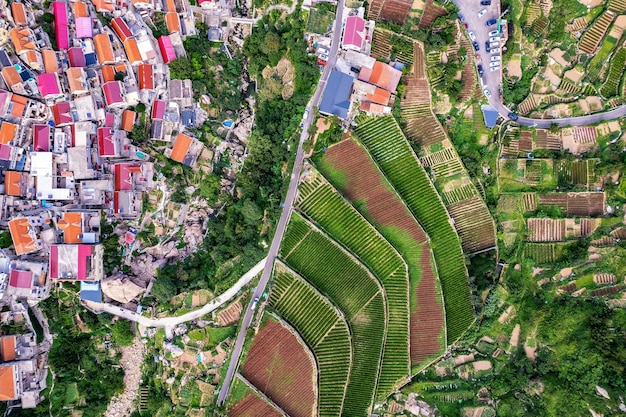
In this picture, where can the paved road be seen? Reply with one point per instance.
(170, 322)
(491, 81)
(288, 204)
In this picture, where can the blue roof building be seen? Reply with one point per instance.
(90, 291)
(336, 98)
(490, 115)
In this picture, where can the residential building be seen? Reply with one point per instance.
(336, 97)
(61, 28)
(132, 51)
(8, 132)
(104, 49)
(354, 33)
(185, 150)
(24, 236)
(167, 49)
(113, 94)
(76, 262)
(128, 120)
(383, 75)
(49, 87)
(121, 28)
(20, 17)
(28, 279)
(50, 62)
(49, 184)
(108, 145)
(145, 75)
(84, 27)
(172, 21)
(77, 81)
(23, 40)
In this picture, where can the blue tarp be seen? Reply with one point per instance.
(336, 98)
(490, 115)
(90, 291)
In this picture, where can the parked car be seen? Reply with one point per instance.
(254, 303)
(494, 64)
(471, 35)
(494, 33)
(493, 45)
(495, 58)
(494, 39)
(495, 51)
(480, 69)
(492, 69)
(324, 57)
(513, 116)
(491, 22)
(485, 3)
(482, 13)
(476, 46)
(487, 93)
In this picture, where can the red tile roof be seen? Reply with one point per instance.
(146, 78)
(7, 383)
(7, 132)
(106, 143)
(158, 109)
(104, 49)
(41, 138)
(21, 279)
(181, 146)
(113, 92)
(128, 120)
(13, 183)
(23, 239)
(7, 348)
(19, 14)
(121, 28)
(61, 112)
(72, 226)
(49, 60)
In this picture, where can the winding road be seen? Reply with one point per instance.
(169, 323)
(288, 204)
(492, 80)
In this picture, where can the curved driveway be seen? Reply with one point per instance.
(491, 80)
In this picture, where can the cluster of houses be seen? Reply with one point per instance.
(70, 100)
(358, 81)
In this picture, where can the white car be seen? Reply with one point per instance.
(494, 39)
(324, 57)
(495, 58)
(487, 93)
(471, 35)
(492, 69)
(495, 51)
(482, 12)
(494, 64)
(494, 45)
(494, 33)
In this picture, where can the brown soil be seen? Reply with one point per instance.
(279, 366)
(252, 406)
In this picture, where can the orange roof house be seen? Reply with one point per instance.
(108, 73)
(72, 226)
(104, 49)
(19, 105)
(7, 132)
(80, 9)
(23, 39)
(383, 75)
(19, 14)
(23, 235)
(145, 76)
(380, 96)
(181, 146)
(11, 77)
(7, 348)
(132, 51)
(7, 383)
(50, 62)
(171, 7)
(103, 6)
(76, 80)
(13, 183)
(33, 59)
(128, 120)
(172, 21)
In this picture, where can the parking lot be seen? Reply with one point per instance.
(475, 16)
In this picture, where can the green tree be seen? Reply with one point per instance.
(5, 240)
(122, 333)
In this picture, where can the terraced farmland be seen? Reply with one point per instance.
(338, 218)
(594, 34)
(611, 87)
(358, 295)
(391, 151)
(324, 330)
(281, 367)
(375, 199)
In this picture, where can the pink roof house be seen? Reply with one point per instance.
(76, 262)
(158, 109)
(84, 28)
(354, 33)
(48, 85)
(107, 145)
(167, 49)
(41, 138)
(61, 30)
(113, 94)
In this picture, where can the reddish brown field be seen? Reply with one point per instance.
(230, 314)
(426, 315)
(431, 13)
(279, 366)
(364, 184)
(252, 406)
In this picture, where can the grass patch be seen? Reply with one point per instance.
(218, 334)
(320, 19)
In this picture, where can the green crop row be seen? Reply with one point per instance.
(348, 285)
(322, 329)
(393, 154)
(611, 86)
(344, 224)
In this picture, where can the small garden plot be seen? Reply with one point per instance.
(526, 174)
(321, 19)
(247, 403)
(611, 86)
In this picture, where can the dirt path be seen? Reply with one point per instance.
(132, 358)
